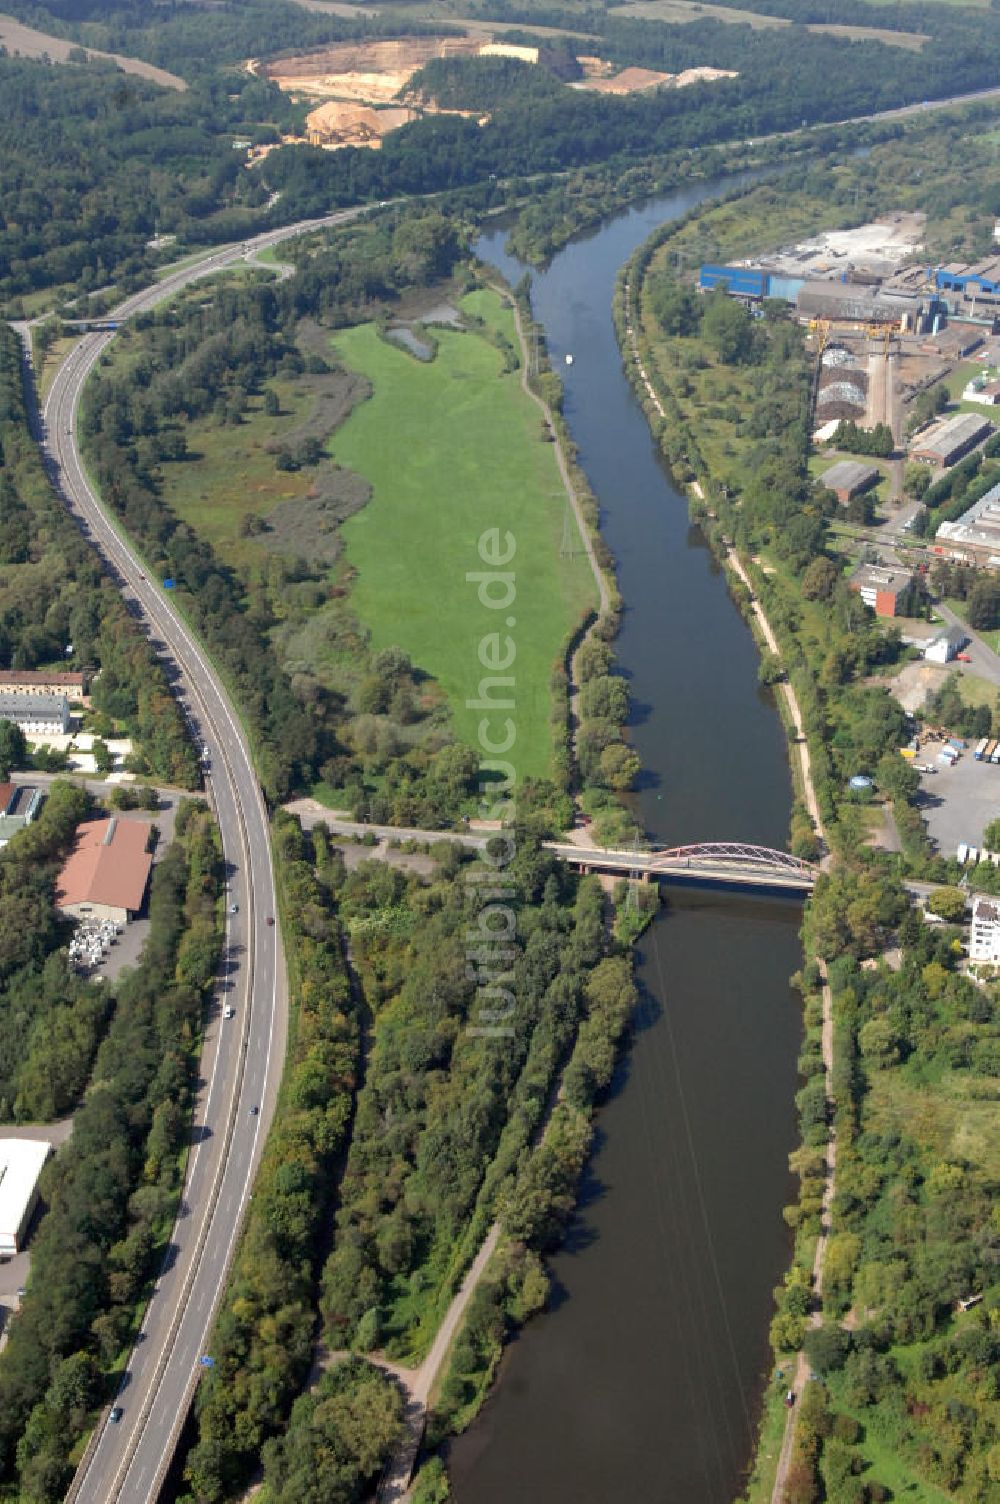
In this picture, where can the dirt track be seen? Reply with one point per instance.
(23, 41)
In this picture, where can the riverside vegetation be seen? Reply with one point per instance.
(905, 1398)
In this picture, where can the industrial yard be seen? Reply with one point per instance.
(907, 379)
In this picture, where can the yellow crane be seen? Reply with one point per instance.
(821, 329)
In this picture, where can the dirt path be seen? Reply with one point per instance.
(574, 501)
(26, 42)
(734, 562)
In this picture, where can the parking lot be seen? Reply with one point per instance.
(959, 802)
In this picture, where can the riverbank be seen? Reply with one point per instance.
(800, 760)
(875, 1329)
(661, 1336)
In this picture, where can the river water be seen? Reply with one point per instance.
(643, 1381)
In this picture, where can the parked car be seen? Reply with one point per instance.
(964, 657)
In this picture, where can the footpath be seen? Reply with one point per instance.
(794, 714)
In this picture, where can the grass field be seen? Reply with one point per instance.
(675, 12)
(451, 449)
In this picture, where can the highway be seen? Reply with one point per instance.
(242, 1057)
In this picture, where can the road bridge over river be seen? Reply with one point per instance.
(725, 863)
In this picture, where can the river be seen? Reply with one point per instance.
(644, 1379)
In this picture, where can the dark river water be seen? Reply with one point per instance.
(643, 1381)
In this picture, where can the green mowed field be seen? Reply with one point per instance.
(453, 448)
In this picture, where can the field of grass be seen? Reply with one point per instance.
(54, 358)
(453, 448)
(674, 12)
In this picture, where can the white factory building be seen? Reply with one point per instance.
(984, 935)
(21, 1163)
(943, 647)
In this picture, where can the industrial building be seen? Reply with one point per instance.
(943, 647)
(984, 932)
(849, 478)
(106, 874)
(975, 537)
(752, 283)
(970, 291)
(950, 441)
(18, 807)
(31, 681)
(21, 1164)
(854, 303)
(885, 590)
(37, 715)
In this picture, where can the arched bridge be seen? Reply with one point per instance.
(723, 862)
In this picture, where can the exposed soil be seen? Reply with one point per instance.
(338, 123)
(367, 72)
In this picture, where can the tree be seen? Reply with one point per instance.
(991, 836)
(728, 328)
(826, 1347)
(675, 307)
(13, 747)
(819, 579)
(950, 903)
(103, 756)
(984, 603)
(619, 766)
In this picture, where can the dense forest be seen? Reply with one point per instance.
(53, 593)
(111, 1192)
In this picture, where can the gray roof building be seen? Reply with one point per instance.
(952, 440)
(44, 714)
(849, 478)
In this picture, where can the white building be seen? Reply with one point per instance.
(984, 936)
(37, 715)
(943, 647)
(21, 1163)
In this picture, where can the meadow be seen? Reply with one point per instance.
(452, 448)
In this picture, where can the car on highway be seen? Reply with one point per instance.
(255, 1111)
(234, 908)
(116, 1414)
(229, 1012)
(270, 921)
